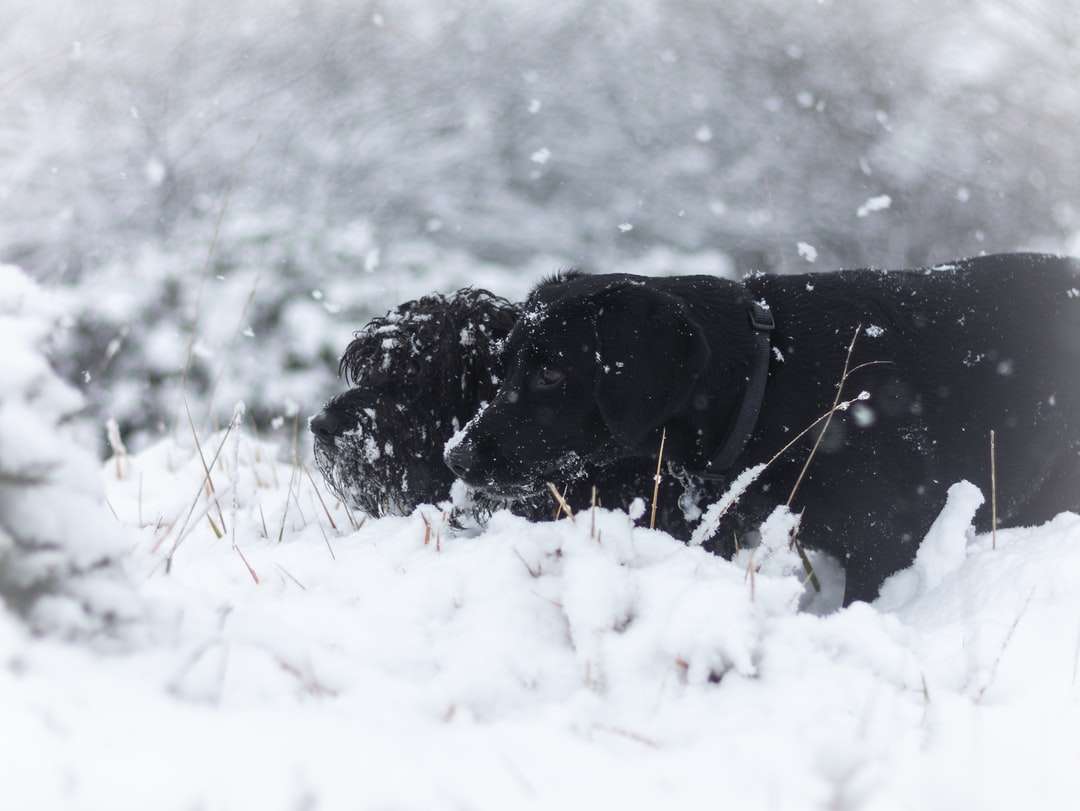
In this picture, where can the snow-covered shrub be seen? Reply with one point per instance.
(58, 543)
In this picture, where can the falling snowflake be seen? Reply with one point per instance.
(879, 203)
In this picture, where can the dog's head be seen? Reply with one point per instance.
(595, 366)
(418, 374)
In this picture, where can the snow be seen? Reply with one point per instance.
(412, 665)
(807, 251)
(879, 203)
(716, 511)
(942, 551)
(188, 192)
(275, 651)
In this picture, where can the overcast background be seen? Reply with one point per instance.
(255, 178)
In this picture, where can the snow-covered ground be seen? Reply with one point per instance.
(244, 642)
(295, 664)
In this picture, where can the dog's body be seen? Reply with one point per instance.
(598, 366)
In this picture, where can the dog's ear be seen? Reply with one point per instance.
(650, 355)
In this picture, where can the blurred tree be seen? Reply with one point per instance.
(363, 153)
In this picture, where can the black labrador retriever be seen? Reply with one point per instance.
(599, 366)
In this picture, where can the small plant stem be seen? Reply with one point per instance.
(592, 514)
(993, 489)
(828, 419)
(206, 469)
(656, 479)
(561, 499)
(315, 487)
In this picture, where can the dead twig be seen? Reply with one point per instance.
(561, 499)
(825, 427)
(288, 574)
(656, 479)
(180, 534)
(993, 490)
(209, 478)
(285, 512)
(315, 487)
(592, 514)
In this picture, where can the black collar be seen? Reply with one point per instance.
(761, 321)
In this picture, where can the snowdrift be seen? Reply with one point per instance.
(295, 663)
(267, 649)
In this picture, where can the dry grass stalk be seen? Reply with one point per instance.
(180, 534)
(120, 454)
(592, 514)
(289, 575)
(250, 569)
(210, 519)
(315, 487)
(628, 734)
(532, 572)
(561, 499)
(836, 406)
(656, 479)
(206, 469)
(828, 419)
(993, 490)
(186, 530)
(296, 499)
(349, 515)
(765, 465)
(559, 504)
(262, 517)
(285, 512)
(751, 574)
(328, 546)
(427, 529)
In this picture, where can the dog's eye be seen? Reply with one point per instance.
(548, 378)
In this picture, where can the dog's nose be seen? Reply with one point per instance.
(326, 425)
(461, 459)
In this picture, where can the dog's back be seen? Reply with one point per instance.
(991, 343)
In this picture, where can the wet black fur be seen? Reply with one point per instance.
(986, 343)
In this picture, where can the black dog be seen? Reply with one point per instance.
(598, 366)
(419, 374)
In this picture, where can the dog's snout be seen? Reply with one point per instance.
(461, 458)
(327, 424)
